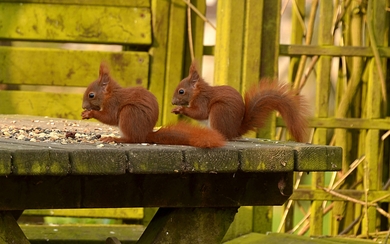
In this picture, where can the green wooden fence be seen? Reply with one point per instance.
(337, 53)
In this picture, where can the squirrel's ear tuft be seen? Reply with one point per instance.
(194, 67)
(104, 70)
(104, 74)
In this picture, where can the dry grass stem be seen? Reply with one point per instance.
(199, 13)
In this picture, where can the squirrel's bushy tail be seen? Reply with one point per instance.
(268, 96)
(187, 134)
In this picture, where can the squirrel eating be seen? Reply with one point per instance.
(232, 116)
(135, 111)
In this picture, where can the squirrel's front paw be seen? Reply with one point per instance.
(177, 110)
(86, 114)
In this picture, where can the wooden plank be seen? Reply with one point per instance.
(117, 213)
(205, 225)
(374, 102)
(345, 123)
(98, 161)
(56, 105)
(124, 3)
(270, 39)
(252, 44)
(321, 109)
(51, 67)
(10, 231)
(80, 233)
(158, 50)
(175, 57)
(92, 24)
(337, 51)
(308, 157)
(229, 43)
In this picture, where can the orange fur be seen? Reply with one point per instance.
(135, 111)
(227, 113)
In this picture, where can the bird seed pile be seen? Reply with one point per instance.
(54, 130)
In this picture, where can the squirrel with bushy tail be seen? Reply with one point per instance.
(230, 115)
(135, 111)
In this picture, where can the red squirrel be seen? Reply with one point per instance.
(135, 111)
(227, 113)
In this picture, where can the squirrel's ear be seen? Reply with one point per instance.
(194, 75)
(104, 74)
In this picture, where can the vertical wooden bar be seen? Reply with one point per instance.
(270, 37)
(297, 34)
(376, 14)
(269, 60)
(158, 51)
(321, 111)
(229, 43)
(252, 43)
(175, 56)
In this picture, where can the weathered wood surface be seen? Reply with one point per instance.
(92, 24)
(130, 175)
(55, 67)
(125, 3)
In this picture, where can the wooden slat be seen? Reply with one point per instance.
(174, 58)
(118, 213)
(87, 234)
(158, 50)
(338, 51)
(53, 67)
(41, 103)
(125, 3)
(345, 123)
(75, 23)
(229, 43)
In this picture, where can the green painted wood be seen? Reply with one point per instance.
(205, 225)
(373, 106)
(117, 213)
(346, 123)
(309, 157)
(229, 43)
(175, 59)
(262, 219)
(98, 161)
(321, 109)
(276, 238)
(270, 39)
(312, 50)
(252, 44)
(92, 24)
(53, 67)
(5, 163)
(241, 225)
(55, 104)
(9, 230)
(88, 234)
(126, 3)
(305, 194)
(158, 50)
(277, 158)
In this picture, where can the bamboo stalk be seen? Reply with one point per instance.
(374, 46)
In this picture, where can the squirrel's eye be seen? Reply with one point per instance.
(91, 95)
(181, 91)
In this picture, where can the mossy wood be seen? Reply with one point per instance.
(92, 24)
(119, 213)
(55, 67)
(276, 238)
(82, 234)
(124, 3)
